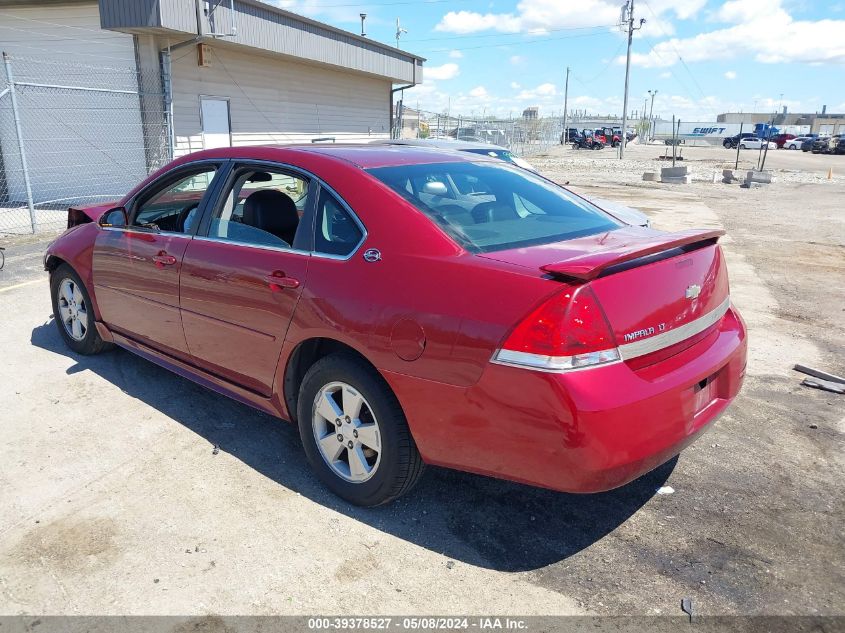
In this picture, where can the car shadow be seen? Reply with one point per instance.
(485, 522)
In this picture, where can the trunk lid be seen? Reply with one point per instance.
(656, 289)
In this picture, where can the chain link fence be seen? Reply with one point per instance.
(73, 134)
(522, 136)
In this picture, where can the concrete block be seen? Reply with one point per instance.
(650, 176)
(678, 180)
(765, 177)
(729, 175)
(674, 172)
(751, 184)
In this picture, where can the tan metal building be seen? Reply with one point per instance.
(209, 72)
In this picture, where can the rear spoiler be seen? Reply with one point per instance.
(589, 266)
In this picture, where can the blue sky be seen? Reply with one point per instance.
(702, 56)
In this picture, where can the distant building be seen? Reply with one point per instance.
(819, 122)
(531, 113)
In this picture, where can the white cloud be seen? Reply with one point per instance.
(517, 59)
(479, 92)
(515, 85)
(462, 22)
(665, 75)
(446, 71)
(543, 92)
(456, 54)
(730, 74)
(739, 11)
(775, 38)
(541, 16)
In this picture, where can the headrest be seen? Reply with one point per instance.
(493, 212)
(271, 211)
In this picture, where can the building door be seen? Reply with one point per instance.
(214, 116)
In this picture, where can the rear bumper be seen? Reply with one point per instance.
(580, 431)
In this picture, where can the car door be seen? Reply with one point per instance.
(243, 274)
(136, 267)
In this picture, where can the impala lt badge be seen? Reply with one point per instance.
(693, 291)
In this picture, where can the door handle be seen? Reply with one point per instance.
(163, 259)
(279, 281)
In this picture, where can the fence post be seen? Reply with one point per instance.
(8, 64)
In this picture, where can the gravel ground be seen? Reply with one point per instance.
(703, 162)
(113, 501)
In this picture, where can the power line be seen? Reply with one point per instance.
(526, 33)
(603, 70)
(64, 26)
(248, 98)
(501, 44)
(672, 44)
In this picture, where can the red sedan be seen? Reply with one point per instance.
(405, 306)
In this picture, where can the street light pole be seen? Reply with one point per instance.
(627, 17)
(650, 116)
(565, 103)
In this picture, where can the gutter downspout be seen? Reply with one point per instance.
(394, 91)
(400, 88)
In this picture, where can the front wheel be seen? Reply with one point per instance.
(354, 432)
(73, 312)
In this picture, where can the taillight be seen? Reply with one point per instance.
(569, 331)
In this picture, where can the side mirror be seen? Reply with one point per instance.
(114, 218)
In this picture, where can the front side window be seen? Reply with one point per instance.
(262, 206)
(335, 232)
(491, 206)
(175, 208)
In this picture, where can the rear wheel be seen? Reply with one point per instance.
(354, 432)
(742, 146)
(73, 312)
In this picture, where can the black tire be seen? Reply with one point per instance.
(400, 465)
(616, 143)
(91, 342)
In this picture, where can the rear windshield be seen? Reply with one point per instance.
(492, 206)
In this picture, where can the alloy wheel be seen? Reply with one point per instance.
(73, 310)
(347, 432)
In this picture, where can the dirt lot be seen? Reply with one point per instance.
(113, 501)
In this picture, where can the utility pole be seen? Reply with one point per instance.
(565, 103)
(652, 93)
(627, 22)
(399, 32)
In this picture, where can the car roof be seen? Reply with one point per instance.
(364, 156)
(442, 144)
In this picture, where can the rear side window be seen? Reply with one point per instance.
(488, 206)
(336, 232)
